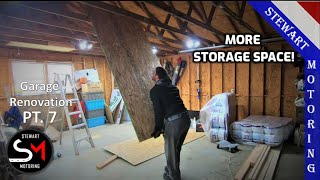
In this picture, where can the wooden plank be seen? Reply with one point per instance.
(132, 63)
(36, 16)
(256, 88)
(272, 89)
(242, 89)
(109, 84)
(216, 79)
(185, 83)
(273, 164)
(257, 151)
(259, 158)
(136, 152)
(205, 83)
(266, 166)
(273, 84)
(109, 114)
(109, 8)
(194, 86)
(256, 169)
(261, 164)
(13, 23)
(190, 82)
(229, 76)
(289, 90)
(246, 165)
(243, 171)
(106, 162)
(199, 86)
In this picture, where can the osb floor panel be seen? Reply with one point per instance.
(136, 152)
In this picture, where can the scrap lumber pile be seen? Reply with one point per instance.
(261, 163)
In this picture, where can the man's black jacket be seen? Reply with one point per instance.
(166, 102)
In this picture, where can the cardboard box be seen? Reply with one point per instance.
(92, 88)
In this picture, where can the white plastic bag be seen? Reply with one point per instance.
(217, 115)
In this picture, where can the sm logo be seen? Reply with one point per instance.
(29, 151)
(41, 147)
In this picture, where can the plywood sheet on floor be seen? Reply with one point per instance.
(136, 152)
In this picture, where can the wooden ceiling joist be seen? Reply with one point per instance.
(167, 23)
(39, 36)
(185, 23)
(243, 7)
(14, 23)
(142, 6)
(6, 38)
(123, 12)
(198, 13)
(233, 15)
(55, 7)
(212, 10)
(35, 16)
(162, 52)
(154, 36)
(165, 47)
(185, 17)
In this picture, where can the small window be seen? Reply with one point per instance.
(30, 72)
(33, 72)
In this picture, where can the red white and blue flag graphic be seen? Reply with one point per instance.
(298, 23)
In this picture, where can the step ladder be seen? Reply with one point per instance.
(53, 95)
(62, 87)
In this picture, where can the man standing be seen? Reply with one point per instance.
(171, 119)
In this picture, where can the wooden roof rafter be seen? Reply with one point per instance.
(48, 19)
(13, 23)
(229, 12)
(55, 7)
(124, 12)
(182, 16)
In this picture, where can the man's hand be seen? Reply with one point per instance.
(156, 133)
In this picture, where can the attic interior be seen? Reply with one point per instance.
(110, 49)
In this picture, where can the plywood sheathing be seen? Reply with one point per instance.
(136, 152)
(132, 63)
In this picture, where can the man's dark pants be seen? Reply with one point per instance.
(175, 131)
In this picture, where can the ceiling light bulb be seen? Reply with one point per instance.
(189, 44)
(83, 45)
(154, 50)
(89, 46)
(196, 43)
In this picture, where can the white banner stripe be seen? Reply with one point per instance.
(301, 18)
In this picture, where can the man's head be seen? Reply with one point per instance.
(159, 73)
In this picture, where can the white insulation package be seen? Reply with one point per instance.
(217, 115)
(269, 130)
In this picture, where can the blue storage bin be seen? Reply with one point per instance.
(94, 104)
(98, 121)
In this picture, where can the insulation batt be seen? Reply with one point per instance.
(217, 115)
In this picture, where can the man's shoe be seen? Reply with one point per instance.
(166, 176)
(166, 170)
